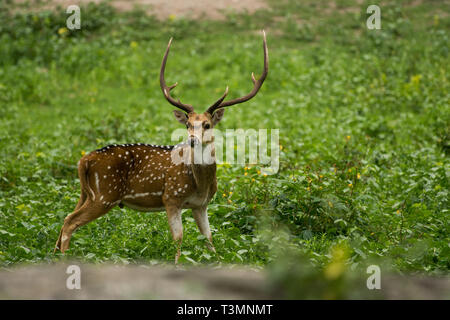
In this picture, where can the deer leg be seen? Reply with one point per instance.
(81, 201)
(176, 227)
(89, 211)
(78, 206)
(201, 218)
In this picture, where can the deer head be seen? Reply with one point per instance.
(199, 125)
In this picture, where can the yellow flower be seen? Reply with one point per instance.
(245, 173)
(259, 172)
(436, 20)
(281, 147)
(337, 267)
(358, 176)
(334, 270)
(134, 44)
(253, 180)
(350, 170)
(224, 195)
(321, 176)
(308, 188)
(347, 137)
(264, 175)
(416, 79)
(245, 168)
(350, 185)
(172, 17)
(62, 30)
(230, 193)
(229, 201)
(398, 211)
(320, 188)
(83, 152)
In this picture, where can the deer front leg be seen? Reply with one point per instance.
(201, 218)
(176, 227)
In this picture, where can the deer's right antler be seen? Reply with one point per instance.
(166, 89)
(256, 84)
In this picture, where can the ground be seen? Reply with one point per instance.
(166, 282)
(164, 9)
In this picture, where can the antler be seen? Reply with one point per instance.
(166, 90)
(256, 85)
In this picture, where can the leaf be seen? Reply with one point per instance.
(25, 249)
(362, 254)
(27, 225)
(307, 234)
(7, 233)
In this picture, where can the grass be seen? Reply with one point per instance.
(363, 118)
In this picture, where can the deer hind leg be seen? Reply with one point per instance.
(201, 218)
(82, 200)
(80, 203)
(176, 227)
(89, 211)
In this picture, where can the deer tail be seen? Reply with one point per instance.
(83, 171)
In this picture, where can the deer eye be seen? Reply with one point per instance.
(207, 126)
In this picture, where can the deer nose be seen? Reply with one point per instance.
(193, 140)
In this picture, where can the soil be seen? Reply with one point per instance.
(163, 9)
(107, 281)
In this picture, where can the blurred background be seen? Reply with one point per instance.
(364, 126)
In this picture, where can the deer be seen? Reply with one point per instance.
(146, 177)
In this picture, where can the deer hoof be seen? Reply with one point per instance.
(211, 247)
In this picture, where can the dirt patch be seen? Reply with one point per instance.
(163, 9)
(132, 282)
(108, 281)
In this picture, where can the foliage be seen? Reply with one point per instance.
(363, 117)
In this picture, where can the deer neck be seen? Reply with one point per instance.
(204, 173)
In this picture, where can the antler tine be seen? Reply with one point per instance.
(256, 83)
(166, 89)
(218, 102)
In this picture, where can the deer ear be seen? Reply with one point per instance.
(180, 116)
(217, 116)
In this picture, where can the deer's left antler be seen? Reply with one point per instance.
(166, 89)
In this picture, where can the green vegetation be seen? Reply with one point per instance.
(363, 115)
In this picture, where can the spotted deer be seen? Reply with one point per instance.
(152, 177)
